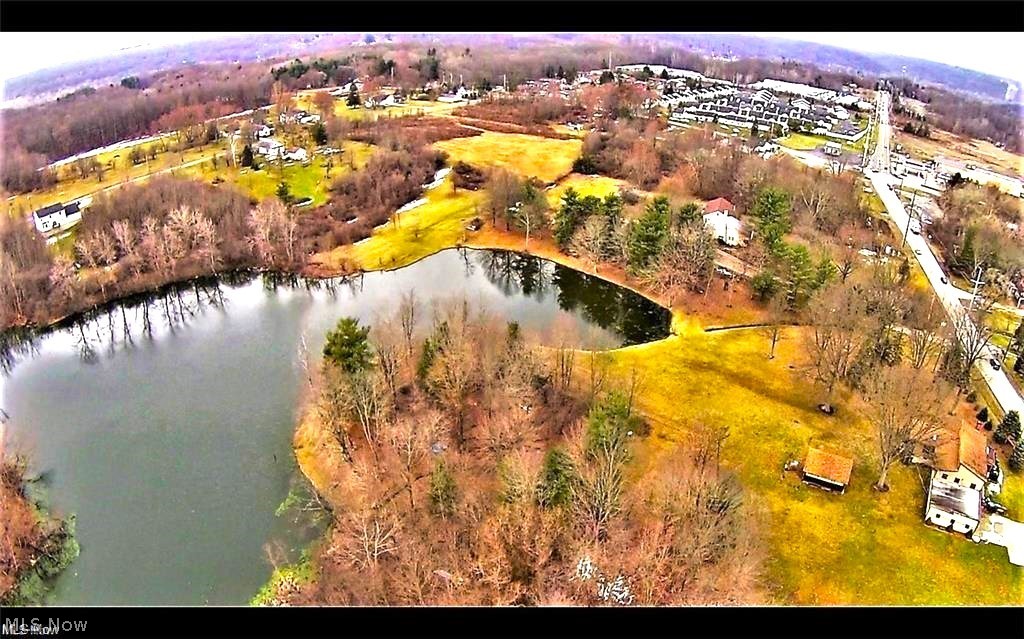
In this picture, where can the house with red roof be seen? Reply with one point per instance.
(719, 219)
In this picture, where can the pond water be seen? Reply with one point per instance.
(172, 445)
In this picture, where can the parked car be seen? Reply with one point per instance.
(943, 279)
(996, 364)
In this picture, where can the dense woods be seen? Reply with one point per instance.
(472, 470)
(91, 118)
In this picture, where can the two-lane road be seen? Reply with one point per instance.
(950, 296)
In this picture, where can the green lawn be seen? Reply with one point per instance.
(808, 142)
(303, 180)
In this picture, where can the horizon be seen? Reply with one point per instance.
(997, 54)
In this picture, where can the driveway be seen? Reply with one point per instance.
(999, 530)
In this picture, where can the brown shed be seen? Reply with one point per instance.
(826, 470)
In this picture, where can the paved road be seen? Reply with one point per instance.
(877, 172)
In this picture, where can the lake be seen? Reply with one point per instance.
(165, 425)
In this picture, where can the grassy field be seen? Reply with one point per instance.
(303, 180)
(862, 547)
(410, 236)
(71, 189)
(585, 185)
(304, 100)
(980, 152)
(527, 155)
(806, 142)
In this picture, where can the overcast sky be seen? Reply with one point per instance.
(1000, 54)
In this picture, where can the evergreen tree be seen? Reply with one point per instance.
(611, 207)
(688, 213)
(1017, 457)
(319, 133)
(664, 74)
(609, 423)
(647, 237)
(353, 97)
(567, 218)
(284, 193)
(1009, 428)
(348, 347)
(554, 489)
(442, 492)
(247, 158)
(771, 210)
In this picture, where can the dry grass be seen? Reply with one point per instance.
(527, 155)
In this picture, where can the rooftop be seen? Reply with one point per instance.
(718, 204)
(965, 446)
(954, 498)
(834, 468)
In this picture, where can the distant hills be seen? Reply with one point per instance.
(50, 83)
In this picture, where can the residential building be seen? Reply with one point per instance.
(57, 217)
(833, 148)
(827, 470)
(719, 220)
(296, 154)
(962, 464)
(269, 148)
(953, 507)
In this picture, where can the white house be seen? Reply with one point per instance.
(262, 130)
(726, 228)
(953, 507)
(269, 148)
(297, 154)
(57, 217)
(961, 464)
(833, 148)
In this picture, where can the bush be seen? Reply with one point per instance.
(442, 491)
(983, 414)
(765, 285)
(554, 488)
(584, 164)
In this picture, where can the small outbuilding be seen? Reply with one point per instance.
(826, 470)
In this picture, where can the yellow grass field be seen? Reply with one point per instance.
(410, 236)
(527, 155)
(862, 547)
(73, 189)
(597, 185)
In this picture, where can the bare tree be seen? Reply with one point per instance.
(407, 318)
(904, 403)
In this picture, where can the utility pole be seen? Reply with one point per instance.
(910, 217)
(974, 293)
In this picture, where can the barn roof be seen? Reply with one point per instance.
(834, 468)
